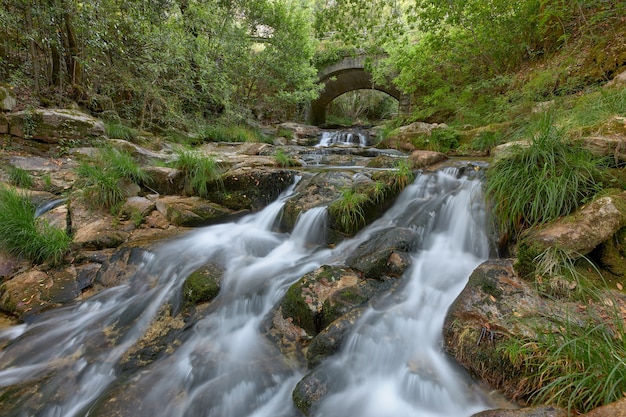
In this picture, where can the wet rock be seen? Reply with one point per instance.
(483, 314)
(50, 125)
(329, 341)
(250, 188)
(421, 159)
(191, 211)
(120, 266)
(203, 284)
(310, 390)
(385, 253)
(541, 411)
(318, 297)
(23, 294)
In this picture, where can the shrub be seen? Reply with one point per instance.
(540, 182)
(23, 235)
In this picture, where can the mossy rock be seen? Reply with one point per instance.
(203, 284)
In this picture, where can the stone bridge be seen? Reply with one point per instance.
(348, 75)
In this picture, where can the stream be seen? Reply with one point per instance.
(70, 361)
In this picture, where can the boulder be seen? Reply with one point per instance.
(164, 180)
(120, 266)
(404, 137)
(203, 284)
(191, 211)
(385, 253)
(137, 206)
(52, 125)
(618, 82)
(8, 99)
(99, 234)
(613, 146)
(249, 188)
(422, 159)
(577, 234)
(302, 134)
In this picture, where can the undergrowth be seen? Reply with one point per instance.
(198, 169)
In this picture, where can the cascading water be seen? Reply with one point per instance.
(343, 137)
(392, 364)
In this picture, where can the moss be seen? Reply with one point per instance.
(526, 255)
(295, 307)
(201, 286)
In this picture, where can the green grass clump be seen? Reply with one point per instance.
(23, 235)
(122, 164)
(233, 133)
(20, 177)
(403, 175)
(348, 211)
(101, 187)
(199, 171)
(284, 160)
(579, 366)
(116, 130)
(102, 180)
(540, 182)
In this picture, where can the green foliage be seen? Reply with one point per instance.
(579, 366)
(121, 164)
(232, 133)
(443, 140)
(116, 130)
(284, 160)
(101, 187)
(542, 181)
(199, 171)
(363, 107)
(403, 175)
(23, 235)
(20, 177)
(485, 141)
(349, 210)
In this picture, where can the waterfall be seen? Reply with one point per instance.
(343, 137)
(392, 364)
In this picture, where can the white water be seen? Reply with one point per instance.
(346, 138)
(392, 365)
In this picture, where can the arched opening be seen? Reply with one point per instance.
(343, 77)
(362, 107)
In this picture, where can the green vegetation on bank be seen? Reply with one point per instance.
(199, 171)
(102, 180)
(24, 235)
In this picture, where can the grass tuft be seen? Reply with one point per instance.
(116, 130)
(541, 182)
(348, 211)
(199, 171)
(23, 235)
(20, 177)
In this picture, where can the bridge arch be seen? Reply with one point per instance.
(348, 75)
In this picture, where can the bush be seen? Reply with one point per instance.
(23, 235)
(541, 182)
